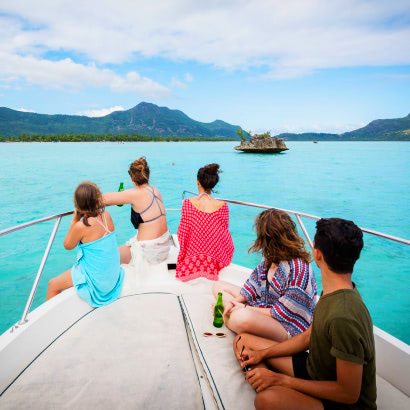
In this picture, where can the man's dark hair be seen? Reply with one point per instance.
(340, 242)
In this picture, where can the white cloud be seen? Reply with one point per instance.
(176, 83)
(24, 110)
(101, 112)
(66, 73)
(286, 39)
(189, 77)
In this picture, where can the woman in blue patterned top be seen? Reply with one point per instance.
(278, 299)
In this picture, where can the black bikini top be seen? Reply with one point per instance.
(136, 218)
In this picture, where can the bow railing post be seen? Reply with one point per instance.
(40, 271)
(304, 230)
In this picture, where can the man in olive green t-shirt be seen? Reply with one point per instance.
(339, 372)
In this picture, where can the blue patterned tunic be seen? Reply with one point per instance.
(290, 295)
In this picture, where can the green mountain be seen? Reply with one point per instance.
(144, 119)
(397, 129)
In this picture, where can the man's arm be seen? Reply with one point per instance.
(296, 344)
(346, 389)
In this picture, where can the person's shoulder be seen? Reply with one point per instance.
(186, 202)
(109, 220)
(261, 268)
(346, 303)
(80, 227)
(80, 224)
(156, 190)
(187, 206)
(106, 214)
(220, 206)
(297, 265)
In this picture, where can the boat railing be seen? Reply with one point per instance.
(58, 218)
(299, 215)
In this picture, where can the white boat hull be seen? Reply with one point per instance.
(63, 322)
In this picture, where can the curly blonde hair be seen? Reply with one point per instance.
(277, 238)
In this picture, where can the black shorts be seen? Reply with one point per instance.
(300, 371)
(299, 365)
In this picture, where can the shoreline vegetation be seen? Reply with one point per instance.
(106, 138)
(148, 122)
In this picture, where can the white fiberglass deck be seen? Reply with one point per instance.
(139, 352)
(131, 354)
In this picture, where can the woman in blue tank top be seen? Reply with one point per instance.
(97, 275)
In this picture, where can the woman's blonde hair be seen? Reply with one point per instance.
(277, 238)
(88, 200)
(139, 171)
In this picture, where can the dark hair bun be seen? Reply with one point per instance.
(208, 176)
(212, 169)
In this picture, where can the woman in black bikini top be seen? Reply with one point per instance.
(147, 212)
(136, 218)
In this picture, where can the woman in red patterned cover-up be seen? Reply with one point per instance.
(205, 241)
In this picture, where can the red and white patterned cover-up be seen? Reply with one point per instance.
(205, 242)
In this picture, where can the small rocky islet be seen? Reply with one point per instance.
(262, 144)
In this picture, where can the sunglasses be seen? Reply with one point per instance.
(207, 334)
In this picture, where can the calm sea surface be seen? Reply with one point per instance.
(367, 182)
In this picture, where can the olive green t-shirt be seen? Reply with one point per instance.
(342, 329)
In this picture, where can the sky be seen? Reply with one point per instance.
(266, 65)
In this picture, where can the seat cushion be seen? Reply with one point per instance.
(217, 356)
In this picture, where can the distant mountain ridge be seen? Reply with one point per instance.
(396, 129)
(144, 118)
(151, 120)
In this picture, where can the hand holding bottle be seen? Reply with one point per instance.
(120, 189)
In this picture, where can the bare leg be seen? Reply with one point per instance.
(125, 254)
(280, 364)
(256, 323)
(59, 283)
(282, 398)
(228, 290)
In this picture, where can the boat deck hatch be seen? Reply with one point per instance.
(131, 354)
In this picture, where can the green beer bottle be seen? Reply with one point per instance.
(218, 310)
(120, 189)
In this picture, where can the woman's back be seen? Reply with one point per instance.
(206, 244)
(148, 212)
(205, 203)
(97, 275)
(99, 259)
(99, 226)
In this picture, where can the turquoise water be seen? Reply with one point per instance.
(367, 182)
